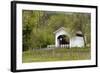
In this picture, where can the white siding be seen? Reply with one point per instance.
(74, 42)
(62, 32)
(77, 42)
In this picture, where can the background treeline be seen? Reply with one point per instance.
(38, 27)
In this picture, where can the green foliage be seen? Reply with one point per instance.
(38, 26)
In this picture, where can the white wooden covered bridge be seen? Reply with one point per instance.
(63, 39)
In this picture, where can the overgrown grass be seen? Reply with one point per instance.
(58, 54)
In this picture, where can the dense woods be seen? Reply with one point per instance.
(38, 27)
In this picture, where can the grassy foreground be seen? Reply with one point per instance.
(59, 54)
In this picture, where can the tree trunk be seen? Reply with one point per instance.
(84, 40)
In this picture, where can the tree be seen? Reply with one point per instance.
(38, 26)
(81, 22)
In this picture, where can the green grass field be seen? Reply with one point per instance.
(59, 54)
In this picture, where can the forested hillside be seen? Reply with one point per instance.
(38, 27)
